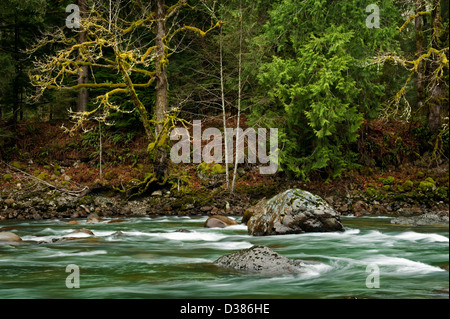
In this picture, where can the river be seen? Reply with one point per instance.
(151, 258)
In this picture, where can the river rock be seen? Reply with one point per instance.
(422, 220)
(291, 212)
(219, 222)
(260, 259)
(9, 201)
(79, 233)
(360, 208)
(9, 237)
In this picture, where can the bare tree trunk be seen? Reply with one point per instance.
(83, 70)
(222, 89)
(233, 185)
(161, 165)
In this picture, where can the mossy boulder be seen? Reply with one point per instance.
(408, 185)
(291, 212)
(428, 185)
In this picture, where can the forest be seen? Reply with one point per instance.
(358, 92)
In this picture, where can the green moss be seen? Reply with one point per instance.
(442, 193)
(7, 177)
(203, 167)
(43, 176)
(86, 200)
(370, 191)
(387, 181)
(57, 169)
(386, 187)
(427, 185)
(408, 185)
(218, 169)
(18, 165)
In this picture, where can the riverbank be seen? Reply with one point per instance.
(33, 192)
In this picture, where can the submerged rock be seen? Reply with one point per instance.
(219, 222)
(261, 260)
(182, 230)
(79, 233)
(425, 219)
(9, 237)
(291, 212)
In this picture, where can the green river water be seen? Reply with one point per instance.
(151, 259)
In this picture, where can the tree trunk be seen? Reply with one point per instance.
(16, 84)
(437, 91)
(224, 112)
(420, 85)
(161, 165)
(233, 184)
(83, 70)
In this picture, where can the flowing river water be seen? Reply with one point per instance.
(152, 258)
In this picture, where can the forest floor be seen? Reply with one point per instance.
(46, 173)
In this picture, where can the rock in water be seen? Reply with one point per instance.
(262, 260)
(291, 212)
(425, 219)
(9, 237)
(220, 222)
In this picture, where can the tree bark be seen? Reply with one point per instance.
(16, 83)
(437, 92)
(161, 165)
(420, 85)
(83, 70)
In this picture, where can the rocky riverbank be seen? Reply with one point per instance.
(29, 191)
(48, 204)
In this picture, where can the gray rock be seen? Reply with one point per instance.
(219, 222)
(422, 220)
(291, 212)
(9, 237)
(183, 230)
(157, 193)
(261, 260)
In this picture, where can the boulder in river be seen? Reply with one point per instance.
(6, 236)
(291, 212)
(261, 260)
(219, 222)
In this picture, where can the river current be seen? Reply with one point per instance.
(172, 257)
